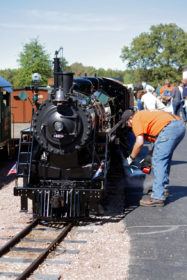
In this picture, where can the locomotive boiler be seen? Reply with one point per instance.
(64, 157)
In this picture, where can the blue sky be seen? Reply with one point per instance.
(92, 32)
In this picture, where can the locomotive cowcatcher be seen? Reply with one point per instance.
(64, 157)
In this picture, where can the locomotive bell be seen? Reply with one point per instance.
(67, 82)
(59, 95)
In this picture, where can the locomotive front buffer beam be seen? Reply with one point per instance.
(60, 203)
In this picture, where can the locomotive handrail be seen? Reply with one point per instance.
(113, 129)
(108, 137)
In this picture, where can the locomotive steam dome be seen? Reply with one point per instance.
(62, 129)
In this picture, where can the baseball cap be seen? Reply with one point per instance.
(125, 116)
(149, 88)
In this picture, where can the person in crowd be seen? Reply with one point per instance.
(138, 99)
(165, 92)
(151, 102)
(166, 131)
(138, 96)
(157, 91)
(184, 81)
(177, 101)
(138, 91)
(147, 87)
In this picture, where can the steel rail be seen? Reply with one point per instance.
(18, 237)
(33, 266)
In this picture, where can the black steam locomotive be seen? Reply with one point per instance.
(64, 157)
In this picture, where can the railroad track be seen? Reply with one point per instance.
(11, 246)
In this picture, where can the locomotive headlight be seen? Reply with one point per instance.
(58, 126)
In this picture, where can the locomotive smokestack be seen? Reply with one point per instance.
(67, 81)
(57, 73)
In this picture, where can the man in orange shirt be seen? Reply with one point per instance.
(164, 130)
(165, 92)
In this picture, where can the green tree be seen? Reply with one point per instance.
(78, 69)
(158, 54)
(33, 59)
(9, 74)
(90, 70)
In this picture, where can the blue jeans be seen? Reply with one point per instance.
(164, 146)
(176, 107)
(182, 109)
(139, 104)
(185, 108)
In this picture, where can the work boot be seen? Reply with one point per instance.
(153, 202)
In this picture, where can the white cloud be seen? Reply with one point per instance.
(69, 18)
(60, 27)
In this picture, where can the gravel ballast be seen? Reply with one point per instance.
(104, 254)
